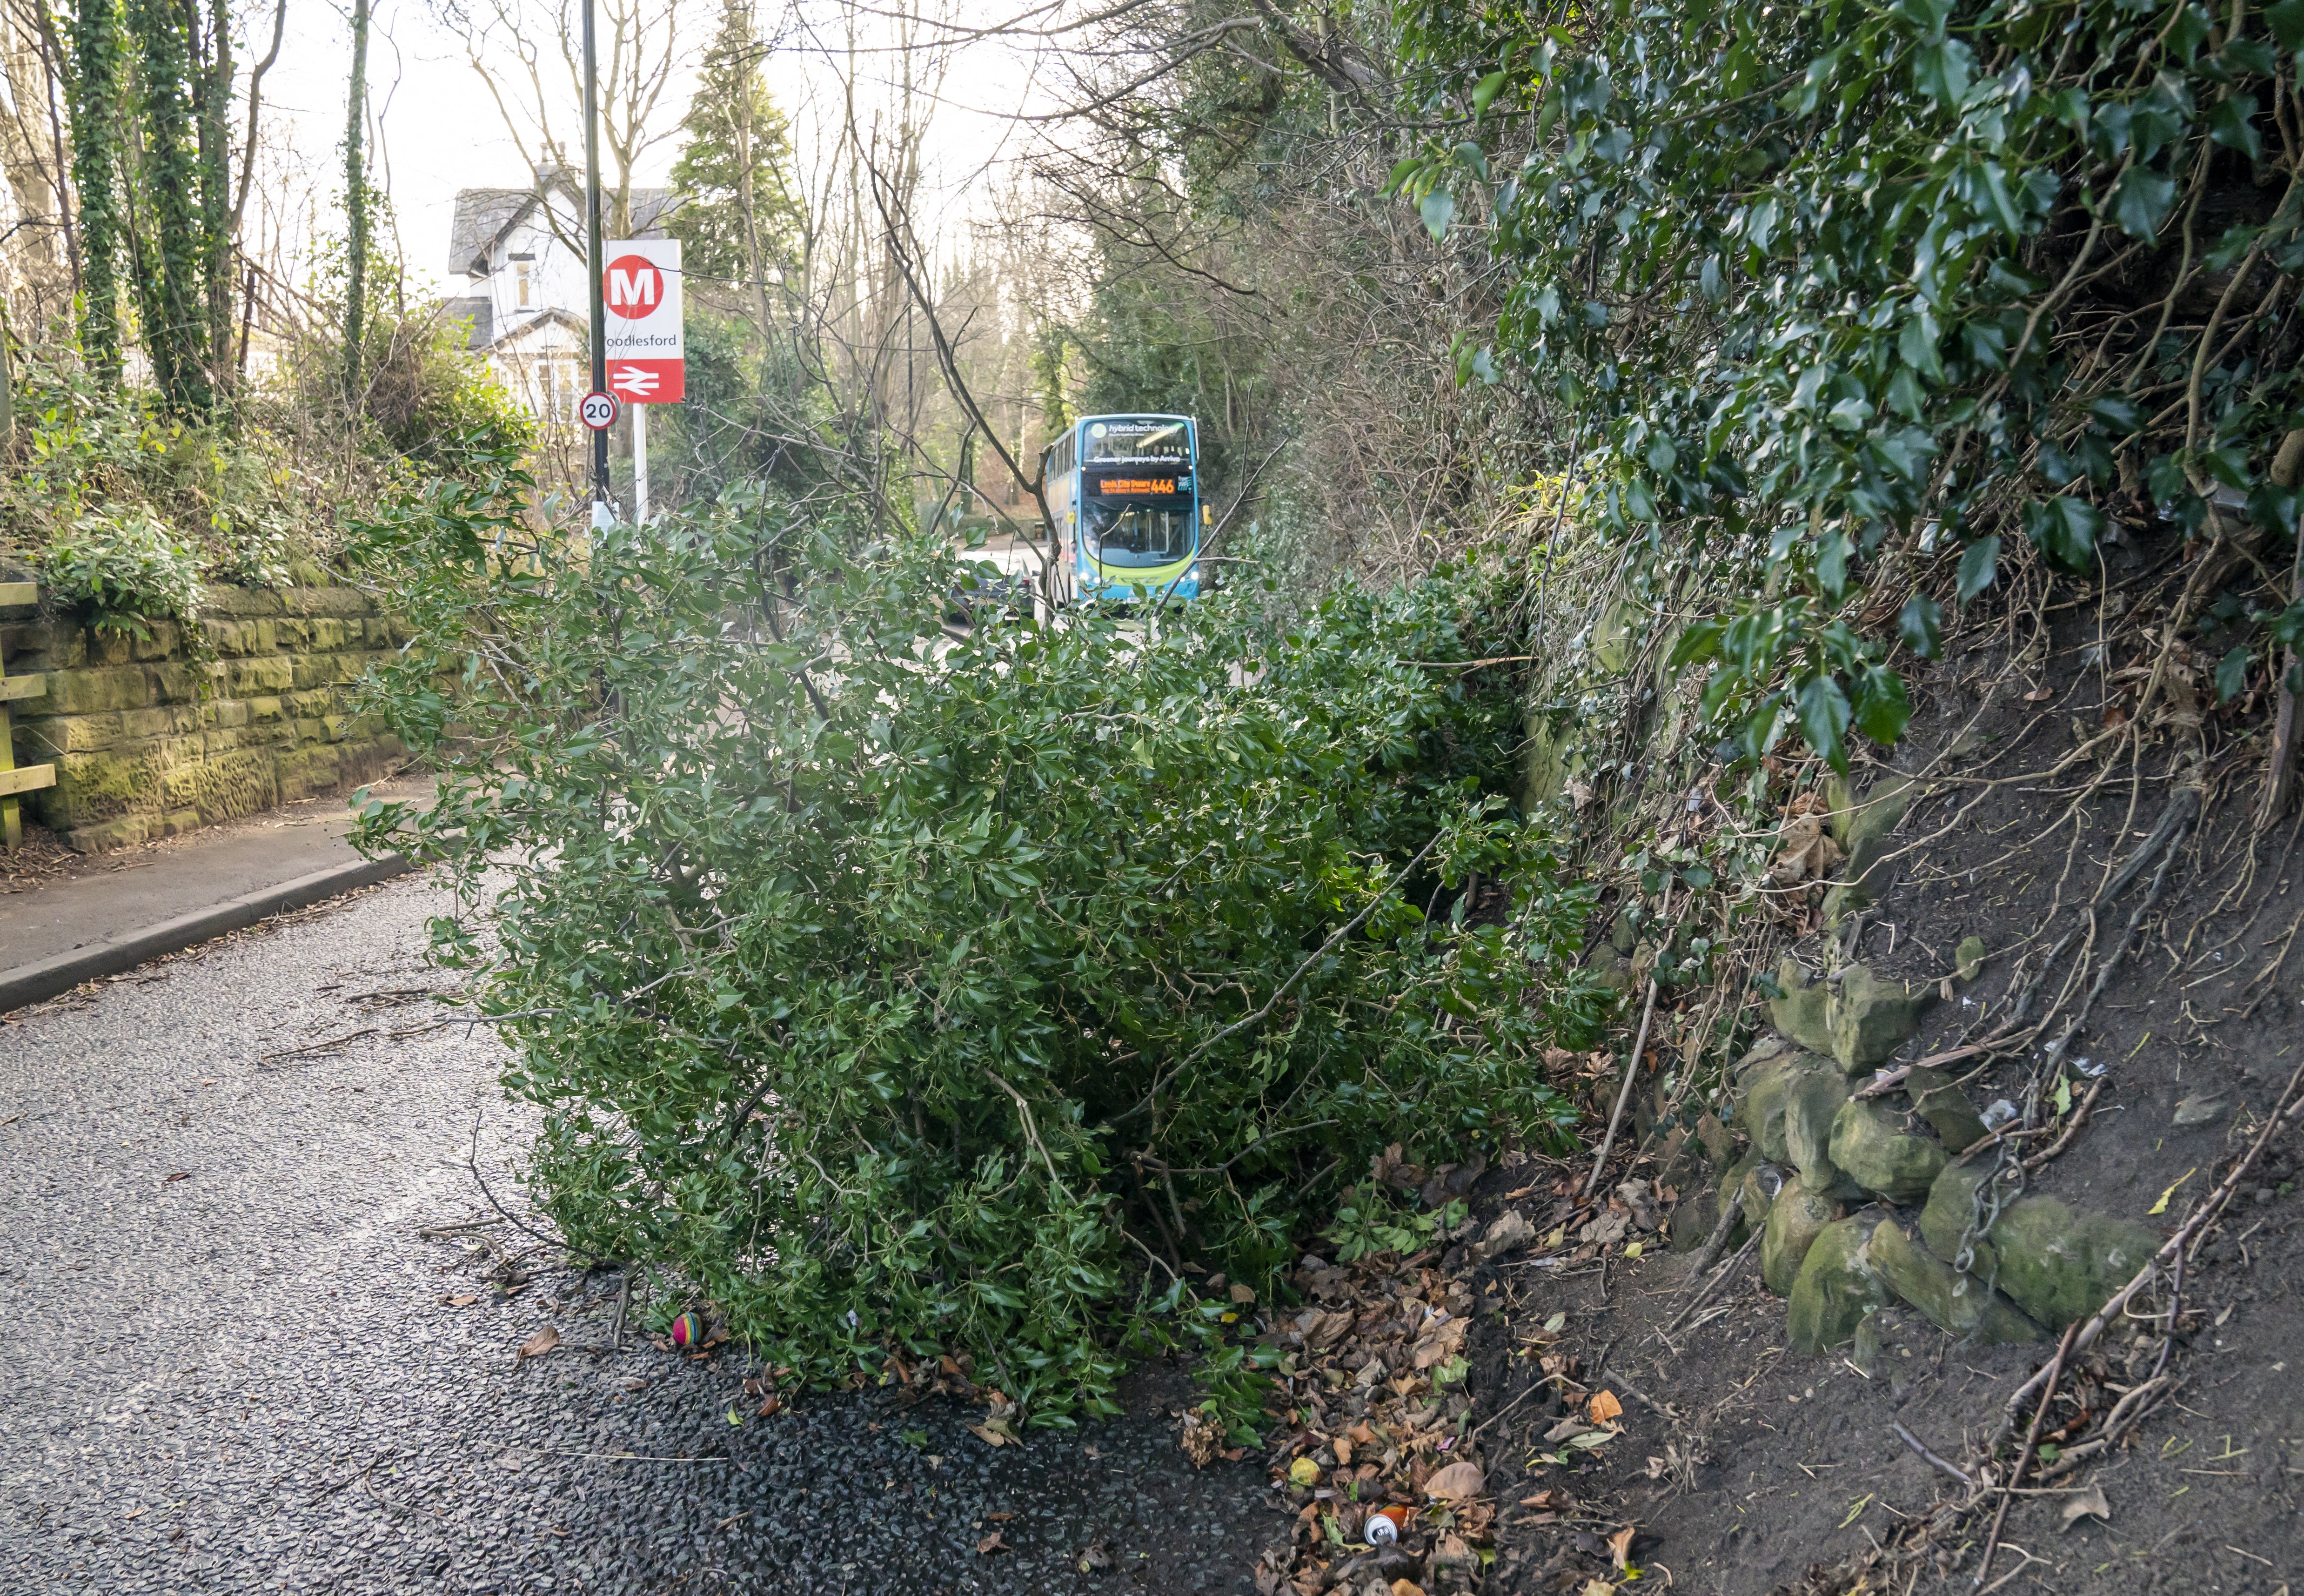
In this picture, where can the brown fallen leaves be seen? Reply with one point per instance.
(990, 1544)
(537, 1344)
(1366, 1428)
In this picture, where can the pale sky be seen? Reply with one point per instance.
(441, 131)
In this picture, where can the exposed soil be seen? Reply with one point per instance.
(1771, 1472)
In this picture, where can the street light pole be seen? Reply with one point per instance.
(593, 263)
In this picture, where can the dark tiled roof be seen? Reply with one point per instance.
(484, 214)
(479, 310)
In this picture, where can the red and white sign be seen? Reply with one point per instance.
(598, 411)
(647, 344)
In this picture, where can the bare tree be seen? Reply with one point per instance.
(530, 54)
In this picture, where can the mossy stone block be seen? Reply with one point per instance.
(261, 677)
(302, 772)
(1799, 1215)
(98, 691)
(1940, 1101)
(1836, 1286)
(2056, 1262)
(1871, 1018)
(1811, 1105)
(1962, 1309)
(1765, 1097)
(1802, 1012)
(1969, 956)
(1869, 1144)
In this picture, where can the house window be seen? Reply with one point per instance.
(520, 277)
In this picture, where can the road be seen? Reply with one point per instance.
(233, 1363)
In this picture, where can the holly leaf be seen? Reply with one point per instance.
(1980, 562)
(1922, 625)
(2232, 675)
(1823, 709)
(1882, 709)
(1438, 209)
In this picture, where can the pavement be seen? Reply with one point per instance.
(69, 919)
(236, 1363)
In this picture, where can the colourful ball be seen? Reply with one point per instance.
(688, 1332)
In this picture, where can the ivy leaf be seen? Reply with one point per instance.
(2064, 530)
(2119, 414)
(2232, 675)
(1438, 209)
(1979, 564)
(1943, 71)
(2232, 126)
(1823, 709)
(1922, 625)
(2287, 19)
(1882, 710)
(2141, 201)
(2273, 508)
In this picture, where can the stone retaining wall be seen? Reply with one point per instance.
(148, 740)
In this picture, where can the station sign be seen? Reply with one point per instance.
(639, 293)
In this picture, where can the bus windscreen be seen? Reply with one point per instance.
(1137, 531)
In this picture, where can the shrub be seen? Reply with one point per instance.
(934, 993)
(126, 569)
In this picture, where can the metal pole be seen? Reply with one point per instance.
(594, 264)
(640, 464)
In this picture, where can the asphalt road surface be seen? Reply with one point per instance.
(228, 1365)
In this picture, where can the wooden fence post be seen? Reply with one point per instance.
(31, 778)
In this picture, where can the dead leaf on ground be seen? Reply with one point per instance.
(1551, 1499)
(1603, 1407)
(1406, 1587)
(1598, 1587)
(1456, 1482)
(537, 1344)
(771, 1405)
(463, 1299)
(991, 1437)
(2088, 1504)
(179, 1175)
(1567, 1429)
(635, 1383)
(990, 1544)
(1620, 1547)
(1241, 1294)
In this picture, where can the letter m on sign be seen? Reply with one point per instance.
(634, 290)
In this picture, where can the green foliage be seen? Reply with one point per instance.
(907, 989)
(125, 571)
(1843, 291)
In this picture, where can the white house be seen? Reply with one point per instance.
(521, 252)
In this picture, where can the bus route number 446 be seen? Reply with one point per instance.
(598, 411)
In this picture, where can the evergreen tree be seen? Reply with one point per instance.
(739, 220)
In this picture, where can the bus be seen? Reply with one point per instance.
(1125, 492)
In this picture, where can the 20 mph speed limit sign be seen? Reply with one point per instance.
(598, 411)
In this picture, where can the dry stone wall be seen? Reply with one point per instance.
(149, 738)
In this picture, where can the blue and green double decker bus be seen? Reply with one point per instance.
(1125, 491)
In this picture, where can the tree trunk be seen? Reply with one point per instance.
(95, 44)
(356, 207)
(216, 191)
(179, 338)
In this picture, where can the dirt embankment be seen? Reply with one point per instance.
(2064, 896)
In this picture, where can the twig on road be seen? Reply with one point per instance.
(323, 1047)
